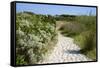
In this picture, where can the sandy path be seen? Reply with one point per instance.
(65, 51)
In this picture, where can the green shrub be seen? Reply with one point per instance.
(20, 60)
(34, 35)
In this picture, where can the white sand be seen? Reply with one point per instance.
(65, 51)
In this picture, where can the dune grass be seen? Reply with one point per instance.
(87, 43)
(83, 30)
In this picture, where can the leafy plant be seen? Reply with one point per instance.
(34, 33)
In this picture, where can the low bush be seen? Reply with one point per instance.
(35, 37)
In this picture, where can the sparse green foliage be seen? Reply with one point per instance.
(83, 30)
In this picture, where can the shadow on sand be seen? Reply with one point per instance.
(73, 51)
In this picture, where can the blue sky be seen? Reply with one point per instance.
(55, 9)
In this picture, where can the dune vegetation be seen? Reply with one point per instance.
(83, 30)
(35, 37)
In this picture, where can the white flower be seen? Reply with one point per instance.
(19, 32)
(21, 42)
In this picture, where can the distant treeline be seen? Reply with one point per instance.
(65, 17)
(62, 17)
